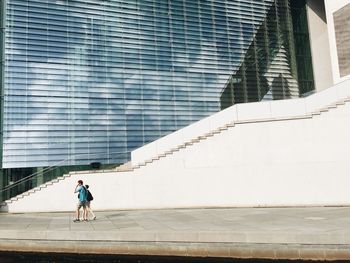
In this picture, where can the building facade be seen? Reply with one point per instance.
(89, 81)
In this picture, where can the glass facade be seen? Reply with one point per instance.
(302, 47)
(277, 65)
(91, 80)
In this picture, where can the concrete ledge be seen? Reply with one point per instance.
(224, 250)
(259, 237)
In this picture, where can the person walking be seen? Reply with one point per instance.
(89, 198)
(82, 201)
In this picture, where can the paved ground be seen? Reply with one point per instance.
(284, 233)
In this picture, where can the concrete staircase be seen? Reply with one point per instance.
(184, 145)
(38, 188)
(129, 167)
(122, 168)
(126, 167)
(221, 129)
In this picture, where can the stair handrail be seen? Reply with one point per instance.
(26, 178)
(53, 167)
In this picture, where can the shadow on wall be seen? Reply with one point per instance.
(274, 67)
(319, 9)
(342, 35)
(4, 208)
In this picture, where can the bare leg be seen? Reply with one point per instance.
(77, 214)
(92, 213)
(85, 212)
(89, 210)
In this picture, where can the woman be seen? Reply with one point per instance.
(89, 199)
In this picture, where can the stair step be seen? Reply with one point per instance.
(174, 149)
(127, 170)
(124, 169)
(339, 103)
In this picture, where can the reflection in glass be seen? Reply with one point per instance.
(85, 80)
(277, 64)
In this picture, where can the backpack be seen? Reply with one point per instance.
(89, 196)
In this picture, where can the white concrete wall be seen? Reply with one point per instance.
(331, 7)
(334, 5)
(319, 43)
(275, 163)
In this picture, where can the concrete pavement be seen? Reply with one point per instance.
(275, 233)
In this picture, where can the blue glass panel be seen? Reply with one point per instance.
(86, 77)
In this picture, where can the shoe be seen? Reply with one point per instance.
(94, 218)
(85, 220)
(76, 220)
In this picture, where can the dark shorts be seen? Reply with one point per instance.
(81, 204)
